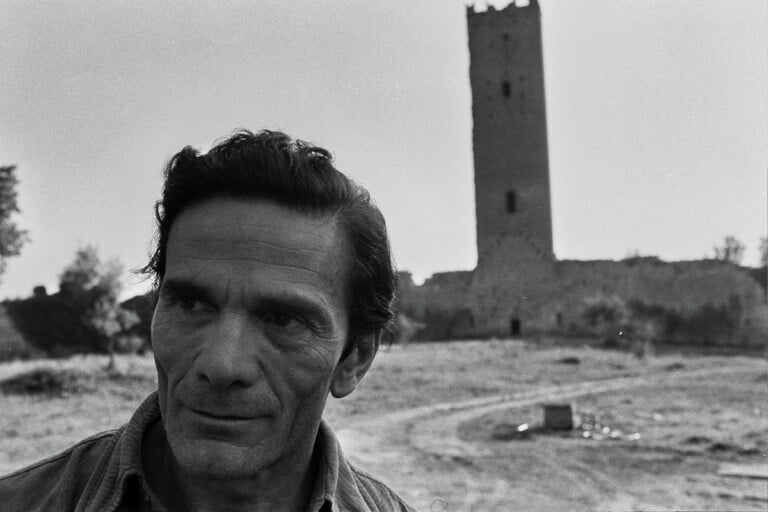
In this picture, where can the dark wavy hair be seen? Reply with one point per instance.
(270, 165)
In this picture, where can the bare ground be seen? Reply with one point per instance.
(423, 422)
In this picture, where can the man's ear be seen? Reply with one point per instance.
(355, 363)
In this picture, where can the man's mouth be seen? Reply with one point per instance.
(224, 415)
(221, 416)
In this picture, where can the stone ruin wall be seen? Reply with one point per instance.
(443, 304)
(684, 287)
(550, 299)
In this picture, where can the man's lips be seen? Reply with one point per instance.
(225, 415)
(222, 411)
(227, 408)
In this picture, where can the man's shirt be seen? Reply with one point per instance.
(103, 473)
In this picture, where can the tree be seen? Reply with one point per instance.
(11, 237)
(731, 251)
(93, 288)
(607, 316)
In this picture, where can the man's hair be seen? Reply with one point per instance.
(269, 165)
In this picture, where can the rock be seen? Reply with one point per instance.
(558, 417)
(509, 431)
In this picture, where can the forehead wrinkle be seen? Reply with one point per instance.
(249, 243)
(219, 226)
(335, 285)
(207, 243)
(200, 237)
(251, 260)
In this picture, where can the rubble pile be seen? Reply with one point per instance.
(595, 427)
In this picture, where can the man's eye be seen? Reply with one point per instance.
(279, 319)
(187, 303)
(190, 304)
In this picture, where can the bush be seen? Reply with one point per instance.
(606, 316)
(143, 307)
(444, 325)
(47, 381)
(706, 325)
(51, 324)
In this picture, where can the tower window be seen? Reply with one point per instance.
(505, 88)
(511, 202)
(514, 326)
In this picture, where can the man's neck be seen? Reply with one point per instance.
(269, 490)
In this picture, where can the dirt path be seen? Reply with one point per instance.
(398, 445)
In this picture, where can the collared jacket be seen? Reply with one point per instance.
(103, 474)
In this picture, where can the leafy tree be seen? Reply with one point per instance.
(93, 288)
(731, 251)
(11, 237)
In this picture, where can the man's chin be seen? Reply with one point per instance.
(216, 459)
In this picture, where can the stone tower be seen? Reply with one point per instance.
(512, 197)
(515, 269)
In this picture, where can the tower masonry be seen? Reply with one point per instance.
(512, 196)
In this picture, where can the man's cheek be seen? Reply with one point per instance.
(307, 376)
(172, 358)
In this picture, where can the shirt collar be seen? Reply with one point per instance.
(124, 464)
(327, 450)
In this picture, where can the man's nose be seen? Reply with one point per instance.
(230, 357)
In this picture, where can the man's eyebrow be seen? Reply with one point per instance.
(306, 306)
(176, 286)
(312, 308)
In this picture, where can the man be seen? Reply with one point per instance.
(275, 283)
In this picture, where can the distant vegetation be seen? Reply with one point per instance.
(618, 321)
(731, 250)
(11, 237)
(85, 315)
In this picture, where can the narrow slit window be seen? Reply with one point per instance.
(511, 202)
(505, 88)
(514, 326)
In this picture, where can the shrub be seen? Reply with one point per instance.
(47, 381)
(52, 324)
(706, 325)
(438, 324)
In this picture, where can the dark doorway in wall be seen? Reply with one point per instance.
(511, 202)
(514, 326)
(505, 88)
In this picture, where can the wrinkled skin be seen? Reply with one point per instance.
(248, 336)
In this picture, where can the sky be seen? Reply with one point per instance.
(657, 114)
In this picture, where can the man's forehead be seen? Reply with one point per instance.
(257, 221)
(227, 213)
(247, 233)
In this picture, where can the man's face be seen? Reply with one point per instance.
(248, 332)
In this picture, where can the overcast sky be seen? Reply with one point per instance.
(657, 114)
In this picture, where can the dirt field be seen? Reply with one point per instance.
(651, 434)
